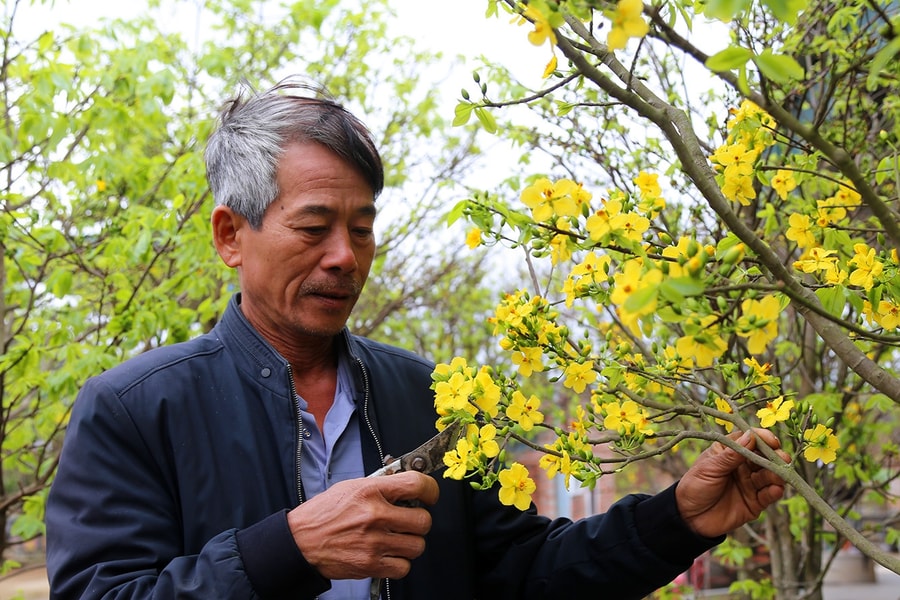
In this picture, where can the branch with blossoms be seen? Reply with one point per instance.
(657, 333)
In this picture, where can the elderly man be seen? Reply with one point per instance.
(233, 465)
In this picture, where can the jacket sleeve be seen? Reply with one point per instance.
(636, 547)
(114, 527)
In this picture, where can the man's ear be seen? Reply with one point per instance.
(226, 230)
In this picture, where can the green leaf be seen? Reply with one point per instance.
(730, 58)
(676, 289)
(880, 61)
(463, 112)
(486, 119)
(833, 299)
(725, 10)
(778, 67)
(786, 10)
(889, 166)
(641, 298)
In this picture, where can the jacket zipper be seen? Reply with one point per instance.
(371, 428)
(299, 419)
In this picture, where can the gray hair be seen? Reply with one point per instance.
(242, 154)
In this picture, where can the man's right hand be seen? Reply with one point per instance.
(356, 530)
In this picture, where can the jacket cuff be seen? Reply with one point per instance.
(661, 528)
(274, 565)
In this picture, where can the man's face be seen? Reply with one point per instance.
(303, 270)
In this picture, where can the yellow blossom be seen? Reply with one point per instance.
(579, 375)
(627, 22)
(473, 238)
(816, 259)
(561, 244)
(529, 360)
(487, 393)
(775, 411)
(550, 68)
(739, 188)
(486, 442)
(830, 211)
(648, 184)
(453, 394)
(823, 444)
(758, 323)
(783, 183)
(800, 231)
(704, 345)
(516, 487)
(868, 268)
(630, 225)
(847, 196)
(554, 464)
(457, 460)
(543, 31)
(736, 158)
(101, 185)
(546, 199)
(624, 417)
(723, 406)
(524, 411)
(598, 224)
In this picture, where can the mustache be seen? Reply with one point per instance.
(333, 287)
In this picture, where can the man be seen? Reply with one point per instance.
(232, 466)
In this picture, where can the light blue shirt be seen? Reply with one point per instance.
(332, 455)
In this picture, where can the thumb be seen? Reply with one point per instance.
(725, 459)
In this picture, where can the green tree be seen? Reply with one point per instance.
(721, 217)
(105, 208)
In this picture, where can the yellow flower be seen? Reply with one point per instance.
(546, 199)
(723, 406)
(776, 411)
(830, 211)
(579, 375)
(758, 323)
(739, 188)
(529, 360)
(847, 196)
(816, 259)
(453, 394)
(823, 444)
(623, 417)
(473, 238)
(457, 460)
(627, 22)
(783, 183)
(550, 68)
(101, 185)
(524, 411)
(553, 464)
(598, 224)
(561, 244)
(543, 31)
(737, 159)
(486, 442)
(800, 230)
(703, 346)
(630, 225)
(516, 487)
(648, 184)
(867, 267)
(487, 393)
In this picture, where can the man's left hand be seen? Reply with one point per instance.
(723, 490)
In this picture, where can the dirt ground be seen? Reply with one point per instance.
(25, 584)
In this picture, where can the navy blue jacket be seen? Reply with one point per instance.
(179, 467)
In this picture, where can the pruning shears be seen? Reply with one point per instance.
(427, 458)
